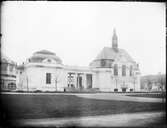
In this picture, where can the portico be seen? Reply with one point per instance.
(79, 80)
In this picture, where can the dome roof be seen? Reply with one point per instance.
(45, 52)
(39, 56)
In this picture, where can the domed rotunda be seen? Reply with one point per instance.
(44, 56)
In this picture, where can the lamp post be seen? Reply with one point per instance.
(57, 76)
(161, 85)
(116, 81)
(27, 83)
(26, 76)
(56, 84)
(134, 82)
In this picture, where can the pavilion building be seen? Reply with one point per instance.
(112, 70)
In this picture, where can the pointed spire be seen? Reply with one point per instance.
(114, 31)
(114, 40)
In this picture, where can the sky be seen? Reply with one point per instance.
(78, 31)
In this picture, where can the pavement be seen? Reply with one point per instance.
(117, 120)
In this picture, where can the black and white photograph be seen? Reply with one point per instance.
(83, 64)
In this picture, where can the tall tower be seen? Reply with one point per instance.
(114, 40)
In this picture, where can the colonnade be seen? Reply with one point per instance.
(79, 80)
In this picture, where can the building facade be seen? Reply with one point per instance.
(44, 71)
(112, 70)
(8, 74)
(115, 69)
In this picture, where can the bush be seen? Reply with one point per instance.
(19, 91)
(36, 91)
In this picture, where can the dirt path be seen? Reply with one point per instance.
(102, 96)
(135, 119)
(121, 97)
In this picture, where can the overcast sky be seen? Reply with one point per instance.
(78, 31)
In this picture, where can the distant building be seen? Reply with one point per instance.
(112, 70)
(152, 83)
(155, 86)
(8, 74)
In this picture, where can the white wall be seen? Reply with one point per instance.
(37, 78)
(102, 78)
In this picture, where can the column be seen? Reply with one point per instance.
(84, 81)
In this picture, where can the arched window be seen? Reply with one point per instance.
(115, 70)
(4, 66)
(123, 70)
(131, 68)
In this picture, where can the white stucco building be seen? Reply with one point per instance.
(112, 70)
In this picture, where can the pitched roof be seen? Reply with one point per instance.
(110, 53)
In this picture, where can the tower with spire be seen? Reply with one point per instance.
(115, 40)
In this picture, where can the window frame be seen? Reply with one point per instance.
(103, 63)
(130, 71)
(48, 78)
(115, 69)
(123, 70)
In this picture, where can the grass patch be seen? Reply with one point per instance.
(150, 95)
(19, 106)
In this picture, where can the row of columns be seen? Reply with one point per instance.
(77, 80)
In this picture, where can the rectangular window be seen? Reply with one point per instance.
(48, 78)
(10, 68)
(131, 68)
(123, 70)
(115, 90)
(115, 70)
(4, 66)
(71, 79)
(103, 63)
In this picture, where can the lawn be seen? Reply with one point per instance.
(19, 106)
(150, 95)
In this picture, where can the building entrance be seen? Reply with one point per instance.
(79, 82)
(123, 89)
(89, 80)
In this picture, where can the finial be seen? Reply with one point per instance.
(114, 31)
(114, 40)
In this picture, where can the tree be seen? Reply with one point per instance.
(162, 82)
(58, 77)
(149, 84)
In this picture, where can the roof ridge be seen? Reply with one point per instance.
(45, 51)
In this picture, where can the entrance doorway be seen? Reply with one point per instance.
(123, 89)
(131, 90)
(115, 90)
(89, 80)
(79, 81)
